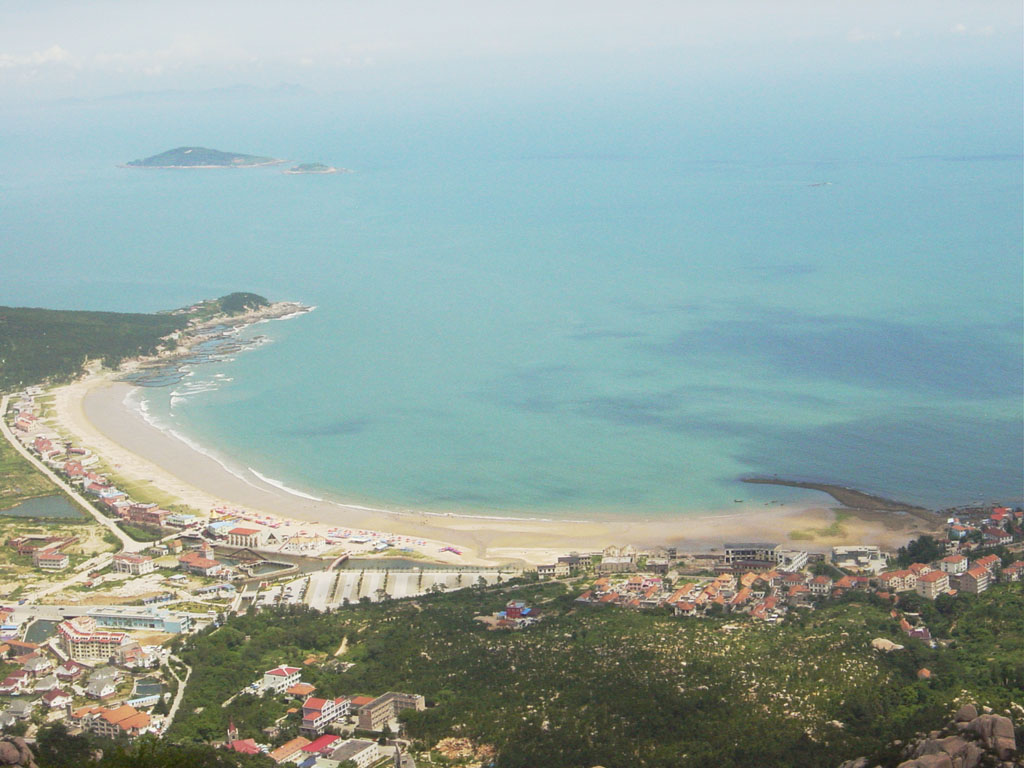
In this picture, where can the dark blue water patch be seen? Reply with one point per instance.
(333, 428)
(600, 335)
(52, 507)
(927, 458)
(969, 361)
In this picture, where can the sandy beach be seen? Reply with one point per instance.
(96, 413)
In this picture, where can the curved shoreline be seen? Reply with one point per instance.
(94, 411)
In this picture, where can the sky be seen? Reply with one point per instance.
(55, 50)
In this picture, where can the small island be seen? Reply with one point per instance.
(315, 168)
(201, 157)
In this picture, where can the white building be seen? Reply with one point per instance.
(954, 564)
(250, 538)
(864, 558)
(136, 565)
(281, 678)
(362, 752)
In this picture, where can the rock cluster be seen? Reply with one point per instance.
(969, 741)
(16, 752)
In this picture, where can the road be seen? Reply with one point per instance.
(177, 697)
(127, 542)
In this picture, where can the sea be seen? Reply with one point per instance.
(563, 302)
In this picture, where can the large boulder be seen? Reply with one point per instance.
(995, 733)
(966, 713)
(929, 761)
(883, 644)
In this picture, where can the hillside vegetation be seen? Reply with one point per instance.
(52, 345)
(621, 688)
(185, 157)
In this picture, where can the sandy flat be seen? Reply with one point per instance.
(95, 413)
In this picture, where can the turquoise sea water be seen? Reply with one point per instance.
(564, 306)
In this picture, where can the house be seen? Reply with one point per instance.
(975, 580)
(953, 564)
(289, 750)
(932, 584)
(147, 514)
(57, 699)
(136, 565)
(47, 683)
(821, 585)
(557, 570)
(244, 746)
(618, 564)
(384, 709)
(301, 691)
(17, 683)
(37, 665)
(994, 536)
(249, 538)
(101, 688)
(1014, 571)
(362, 752)
(280, 678)
(516, 609)
(318, 713)
(70, 671)
(899, 581)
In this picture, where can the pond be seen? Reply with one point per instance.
(52, 507)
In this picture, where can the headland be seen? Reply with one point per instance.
(201, 157)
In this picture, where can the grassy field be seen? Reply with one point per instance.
(19, 480)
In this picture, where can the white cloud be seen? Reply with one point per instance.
(52, 55)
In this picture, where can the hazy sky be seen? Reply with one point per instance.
(56, 49)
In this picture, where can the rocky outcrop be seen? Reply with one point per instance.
(16, 752)
(970, 740)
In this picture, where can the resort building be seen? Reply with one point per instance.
(384, 709)
(899, 581)
(147, 514)
(558, 570)
(136, 565)
(281, 678)
(933, 584)
(81, 640)
(250, 538)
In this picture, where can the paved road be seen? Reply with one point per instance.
(127, 542)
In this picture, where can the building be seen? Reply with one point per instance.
(899, 581)
(136, 565)
(250, 538)
(863, 558)
(616, 564)
(318, 713)
(55, 698)
(953, 564)
(376, 714)
(761, 551)
(50, 560)
(119, 722)
(933, 584)
(820, 586)
(989, 562)
(557, 571)
(141, 617)
(81, 640)
(280, 678)
(147, 514)
(322, 746)
(362, 752)
(303, 545)
(197, 564)
(975, 580)
(288, 751)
